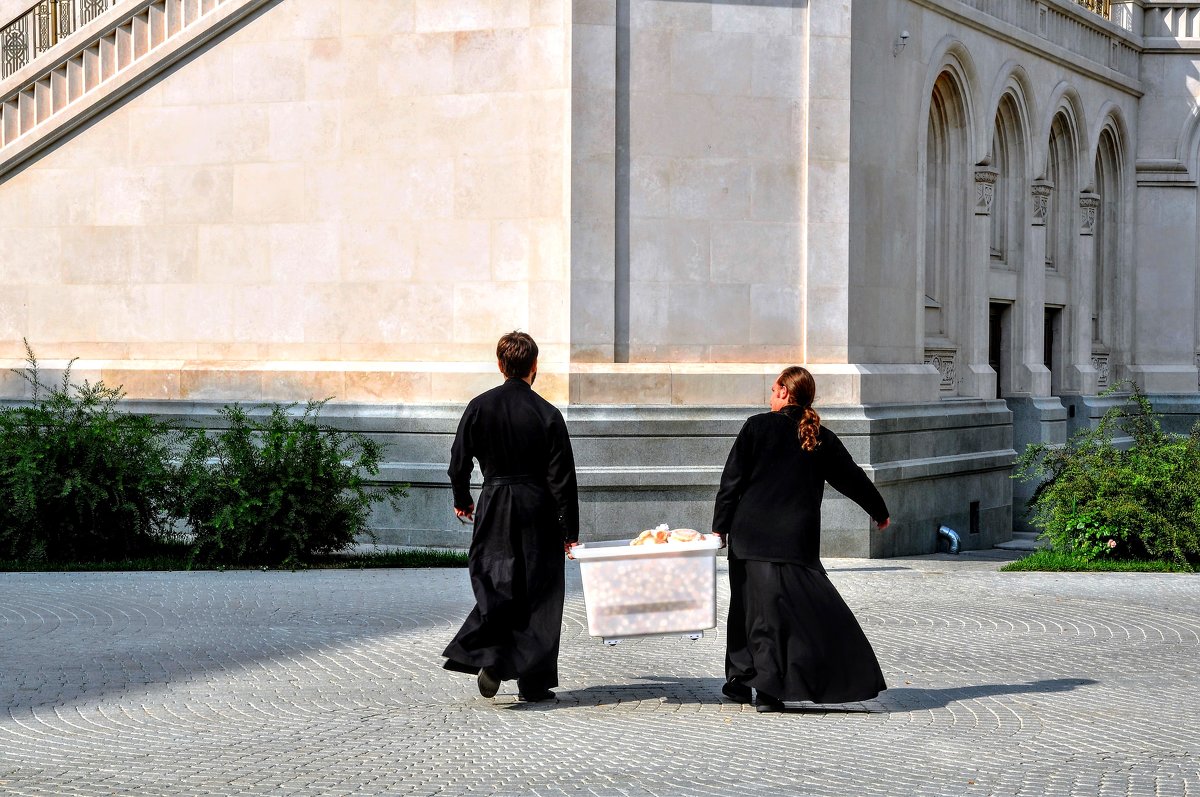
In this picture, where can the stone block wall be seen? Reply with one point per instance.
(333, 184)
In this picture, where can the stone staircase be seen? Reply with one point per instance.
(98, 64)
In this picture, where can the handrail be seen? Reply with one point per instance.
(41, 27)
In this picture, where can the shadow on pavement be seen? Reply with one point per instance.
(907, 698)
(680, 691)
(865, 569)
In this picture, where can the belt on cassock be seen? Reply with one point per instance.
(520, 478)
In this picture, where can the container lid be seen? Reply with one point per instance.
(621, 549)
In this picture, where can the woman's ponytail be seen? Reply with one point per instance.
(802, 389)
(809, 429)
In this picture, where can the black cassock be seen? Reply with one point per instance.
(790, 634)
(528, 508)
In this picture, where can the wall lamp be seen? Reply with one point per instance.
(901, 40)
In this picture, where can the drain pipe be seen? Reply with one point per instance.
(952, 536)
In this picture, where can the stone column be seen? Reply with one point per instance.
(1032, 378)
(976, 376)
(1081, 374)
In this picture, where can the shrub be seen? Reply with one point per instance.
(277, 490)
(80, 480)
(1139, 500)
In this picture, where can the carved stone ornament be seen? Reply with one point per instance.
(1088, 205)
(1041, 191)
(943, 361)
(1100, 363)
(985, 189)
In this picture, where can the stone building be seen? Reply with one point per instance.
(967, 217)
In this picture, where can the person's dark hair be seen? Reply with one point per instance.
(802, 389)
(517, 353)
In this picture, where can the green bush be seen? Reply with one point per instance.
(1135, 500)
(277, 490)
(80, 480)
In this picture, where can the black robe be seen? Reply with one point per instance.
(790, 634)
(528, 508)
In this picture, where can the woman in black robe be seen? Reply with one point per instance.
(527, 516)
(790, 634)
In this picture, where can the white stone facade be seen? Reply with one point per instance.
(967, 217)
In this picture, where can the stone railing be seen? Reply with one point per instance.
(43, 26)
(104, 58)
(1096, 36)
(1179, 20)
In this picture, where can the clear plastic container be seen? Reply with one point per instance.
(642, 590)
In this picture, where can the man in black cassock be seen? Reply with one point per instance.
(526, 518)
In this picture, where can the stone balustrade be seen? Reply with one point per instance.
(42, 26)
(1172, 26)
(1100, 31)
(112, 49)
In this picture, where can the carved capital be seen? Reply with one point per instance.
(985, 189)
(1040, 191)
(1089, 203)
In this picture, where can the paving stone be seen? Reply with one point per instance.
(330, 682)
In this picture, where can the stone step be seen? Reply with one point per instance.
(1023, 541)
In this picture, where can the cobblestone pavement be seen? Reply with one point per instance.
(329, 682)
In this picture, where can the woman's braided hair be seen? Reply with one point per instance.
(802, 389)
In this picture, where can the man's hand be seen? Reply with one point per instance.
(465, 515)
(567, 546)
(720, 537)
(883, 524)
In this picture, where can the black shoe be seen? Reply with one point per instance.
(767, 704)
(737, 692)
(489, 684)
(537, 697)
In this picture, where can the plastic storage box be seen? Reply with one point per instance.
(641, 590)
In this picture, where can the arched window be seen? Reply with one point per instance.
(1106, 239)
(1060, 212)
(998, 247)
(1008, 158)
(946, 186)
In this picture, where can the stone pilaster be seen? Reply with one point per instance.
(1032, 378)
(1082, 375)
(976, 376)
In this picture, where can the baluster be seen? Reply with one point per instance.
(124, 37)
(75, 78)
(91, 67)
(58, 89)
(10, 126)
(140, 28)
(174, 14)
(108, 57)
(42, 101)
(191, 11)
(158, 24)
(27, 111)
